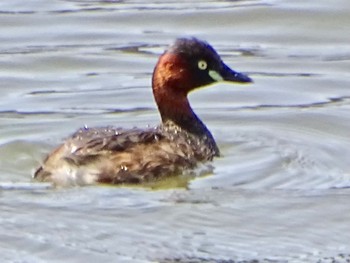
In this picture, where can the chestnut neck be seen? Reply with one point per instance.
(171, 84)
(178, 111)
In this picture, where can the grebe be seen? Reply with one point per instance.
(181, 142)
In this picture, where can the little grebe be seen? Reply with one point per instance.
(180, 142)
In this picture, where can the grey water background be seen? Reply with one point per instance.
(279, 193)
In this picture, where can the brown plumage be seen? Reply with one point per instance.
(181, 142)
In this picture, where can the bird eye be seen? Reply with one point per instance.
(202, 65)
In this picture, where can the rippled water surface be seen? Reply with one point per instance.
(279, 193)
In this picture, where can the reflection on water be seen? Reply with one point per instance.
(278, 194)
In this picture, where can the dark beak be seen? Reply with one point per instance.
(231, 75)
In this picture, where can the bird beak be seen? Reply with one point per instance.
(228, 74)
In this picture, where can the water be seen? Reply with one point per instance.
(279, 193)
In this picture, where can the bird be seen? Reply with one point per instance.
(181, 142)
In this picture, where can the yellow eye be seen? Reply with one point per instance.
(202, 65)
